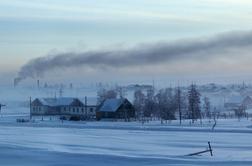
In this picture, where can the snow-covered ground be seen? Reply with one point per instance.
(53, 143)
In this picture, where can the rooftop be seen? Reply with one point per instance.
(62, 101)
(111, 105)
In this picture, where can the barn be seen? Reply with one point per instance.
(115, 109)
(63, 106)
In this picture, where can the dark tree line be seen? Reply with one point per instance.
(169, 104)
(165, 104)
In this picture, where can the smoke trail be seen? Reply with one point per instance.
(143, 54)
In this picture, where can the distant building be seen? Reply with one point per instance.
(135, 87)
(63, 106)
(236, 102)
(90, 105)
(115, 109)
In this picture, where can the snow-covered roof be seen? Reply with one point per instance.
(111, 105)
(62, 101)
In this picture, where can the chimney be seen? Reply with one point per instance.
(15, 82)
(38, 83)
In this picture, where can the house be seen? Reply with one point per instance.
(236, 102)
(247, 102)
(115, 109)
(90, 105)
(63, 106)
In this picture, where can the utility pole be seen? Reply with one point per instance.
(38, 84)
(153, 85)
(1, 105)
(30, 108)
(86, 107)
(61, 91)
(179, 105)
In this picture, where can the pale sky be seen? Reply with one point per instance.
(35, 28)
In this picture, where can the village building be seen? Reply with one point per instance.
(90, 104)
(63, 106)
(115, 109)
(236, 102)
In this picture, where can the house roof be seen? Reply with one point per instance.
(111, 105)
(62, 101)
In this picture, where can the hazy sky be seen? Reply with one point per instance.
(36, 28)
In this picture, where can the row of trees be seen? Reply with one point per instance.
(164, 104)
(169, 101)
(103, 94)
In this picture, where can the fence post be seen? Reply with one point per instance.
(210, 148)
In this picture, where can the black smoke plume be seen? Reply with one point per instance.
(142, 54)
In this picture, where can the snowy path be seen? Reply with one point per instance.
(76, 146)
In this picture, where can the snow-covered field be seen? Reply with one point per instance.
(54, 143)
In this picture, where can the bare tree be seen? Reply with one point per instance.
(104, 94)
(150, 104)
(139, 99)
(121, 91)
(194, 103)
(240, 112)
(207, 107)
(166, 104)
(179, 104)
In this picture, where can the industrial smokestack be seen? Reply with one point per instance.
(16, 81)
(38, 84)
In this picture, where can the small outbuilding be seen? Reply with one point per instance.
(115, 109)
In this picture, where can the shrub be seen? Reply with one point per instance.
(75, 118)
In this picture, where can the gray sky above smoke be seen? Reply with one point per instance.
(32, 29)
(227, 45)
